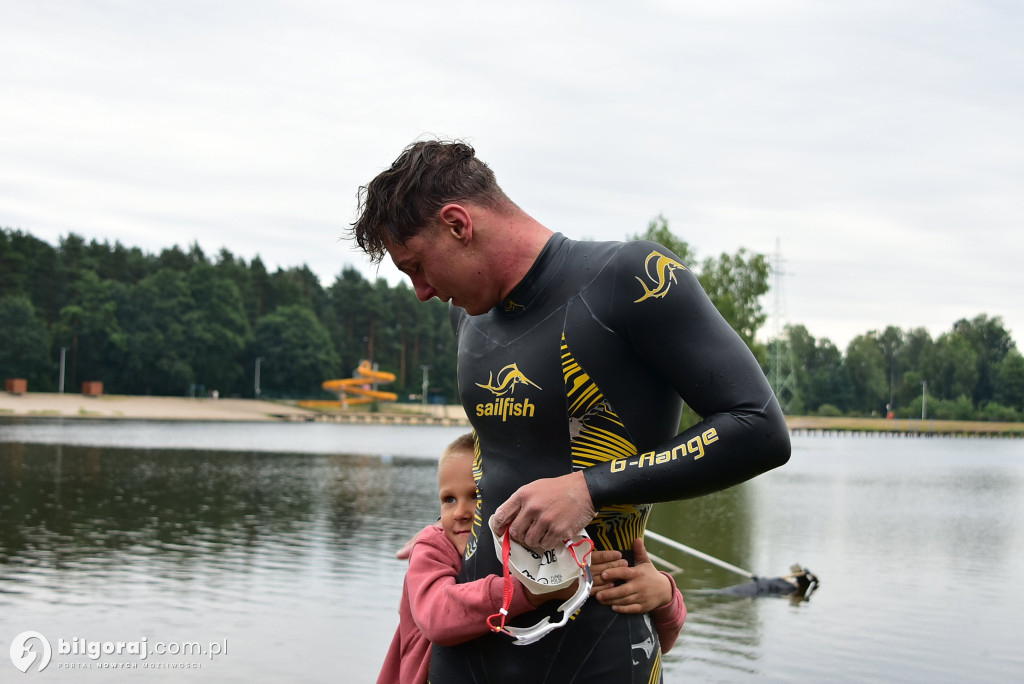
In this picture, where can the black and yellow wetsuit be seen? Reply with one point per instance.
(585, 366)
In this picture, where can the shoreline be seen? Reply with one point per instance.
(32, 405)
(118, 406)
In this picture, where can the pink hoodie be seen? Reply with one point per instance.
(435, 609)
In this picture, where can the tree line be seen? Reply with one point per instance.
(181, 322)
(971, 372)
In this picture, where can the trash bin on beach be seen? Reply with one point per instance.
(16, 385)
(92, 388)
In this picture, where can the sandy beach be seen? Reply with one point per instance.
(52, 405)
(108, 406)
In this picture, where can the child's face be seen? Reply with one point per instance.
(457, 490)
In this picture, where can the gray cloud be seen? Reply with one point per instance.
(878, 143)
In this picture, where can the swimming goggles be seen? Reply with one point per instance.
(543, 573)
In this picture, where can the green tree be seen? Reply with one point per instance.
(891, 343)
(735, 285)
(959, 408)
(24, 343)
(296, 351)
(951, 369)
(819, 371)
(296, 286)
(260, 289)
(89, 325)
(28, 266)
(352, 301)
(866, 367)
(438, 350)
(658, 231)
(174, 259)
(991, 343)
(117, 263)
(154, 360)
(1009, 380)
(217, 330)
(912, 358)
(235, 270)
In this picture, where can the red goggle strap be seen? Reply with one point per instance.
(508, 587)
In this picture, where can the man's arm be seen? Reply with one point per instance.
(687, 342)
(682, 338)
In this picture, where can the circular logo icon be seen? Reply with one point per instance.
(23, 654)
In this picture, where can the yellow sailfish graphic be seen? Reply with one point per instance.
(660, 270)
(508, 378)
(511, 306)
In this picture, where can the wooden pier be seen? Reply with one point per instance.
(406, 414)
(901, 427)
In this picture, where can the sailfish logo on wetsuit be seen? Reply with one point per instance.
(660, 270)
(508, 378)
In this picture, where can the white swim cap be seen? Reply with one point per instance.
(549, 570)
(545, 572)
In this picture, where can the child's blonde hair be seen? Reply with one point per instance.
(460, 444)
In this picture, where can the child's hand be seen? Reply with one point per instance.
(601, 561)
(406, 549)
(643, 587)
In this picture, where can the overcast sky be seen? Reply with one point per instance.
(878, 144)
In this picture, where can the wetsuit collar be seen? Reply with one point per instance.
(533, 288)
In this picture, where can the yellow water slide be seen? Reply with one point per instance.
(362, 388)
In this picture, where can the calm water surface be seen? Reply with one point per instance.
(276, 542)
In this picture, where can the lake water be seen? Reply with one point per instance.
(271, 546)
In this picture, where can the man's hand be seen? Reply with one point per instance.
(546, 512)
(643, 587)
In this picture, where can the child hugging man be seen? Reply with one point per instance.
(436, 609)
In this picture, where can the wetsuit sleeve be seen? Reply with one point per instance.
(448, 613)
(669, 618)
(677, 333)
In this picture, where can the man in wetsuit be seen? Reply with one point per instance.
(574, 361)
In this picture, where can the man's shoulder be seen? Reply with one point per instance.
(596, 258)
(601, 263)
(615, 253)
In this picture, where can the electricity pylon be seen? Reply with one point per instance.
(781, 377)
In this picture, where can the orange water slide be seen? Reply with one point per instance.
(361, 389)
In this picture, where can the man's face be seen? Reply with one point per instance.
(439, 265)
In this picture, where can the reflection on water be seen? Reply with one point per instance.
(278, 553)
(288, 555)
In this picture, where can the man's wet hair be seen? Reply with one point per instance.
(402, 200)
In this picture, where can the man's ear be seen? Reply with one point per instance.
(457, 222)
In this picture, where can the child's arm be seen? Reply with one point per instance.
(642, 589)
(669, 619)
(446, 612)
